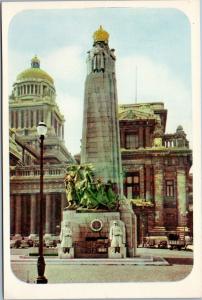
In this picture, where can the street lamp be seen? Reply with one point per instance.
(41, 130)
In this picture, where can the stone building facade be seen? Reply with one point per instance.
(33, 100)
(156, 169)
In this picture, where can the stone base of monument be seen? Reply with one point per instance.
(120, 254)
(91, 228)
(67, 255)
(46, 251)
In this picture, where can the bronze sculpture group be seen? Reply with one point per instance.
(84, 191)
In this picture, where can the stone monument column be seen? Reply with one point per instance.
(100, 136)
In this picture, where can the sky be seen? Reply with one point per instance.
(156, 42)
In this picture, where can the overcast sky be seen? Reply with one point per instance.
(157, 41)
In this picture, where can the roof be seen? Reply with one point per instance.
(35, 73)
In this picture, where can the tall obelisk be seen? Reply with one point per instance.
(100, 137)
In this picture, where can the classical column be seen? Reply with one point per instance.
(147, 137)
(159, 197)
(14, 119)
(33, 228)
(122, 138)
(63, 204)
(142, 182)
(34, 119)
(148, 182)
(12, 214)
(53, 217)
(181, 198)
(141, 137)
(48, 120)
(29, 118)
(18, 215)
(48, 215)
(19, 119)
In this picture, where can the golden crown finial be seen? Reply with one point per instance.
(101, 35)
(35, 62)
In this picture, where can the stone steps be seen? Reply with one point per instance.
(142, 260)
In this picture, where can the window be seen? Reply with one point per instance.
(132, 185)
(132, 141)
(170, 188)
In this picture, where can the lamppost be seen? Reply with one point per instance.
(41, 130)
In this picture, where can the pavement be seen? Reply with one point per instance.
(161, 265)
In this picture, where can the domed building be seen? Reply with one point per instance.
(33, 100)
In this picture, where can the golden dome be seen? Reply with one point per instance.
(101, 35)
(35, 72)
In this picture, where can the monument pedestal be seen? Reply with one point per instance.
(66, 255)
(91, 230)
(113, 254)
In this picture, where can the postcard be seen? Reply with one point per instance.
(101, 149)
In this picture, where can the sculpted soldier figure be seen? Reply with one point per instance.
(70, 191)
(116, 236)
(66, 238)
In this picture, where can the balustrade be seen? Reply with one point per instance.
(36, 172)
(172, 141)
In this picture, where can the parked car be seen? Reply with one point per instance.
(155, 242)
(15, 243)
(175, 242)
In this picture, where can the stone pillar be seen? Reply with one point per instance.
(14, 119)
(122, 139)
(63, 203)
(181, 198)
(53, 217)
(141, 137)
(19, 119)
(142, 181)
(33, 228)
(148, 182)
(147, 137)
(159, 197)
(48, 120)
(48, 216)
(12, 214)
(18, 215)
(34, 119)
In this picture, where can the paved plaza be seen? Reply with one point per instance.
(179, 266)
